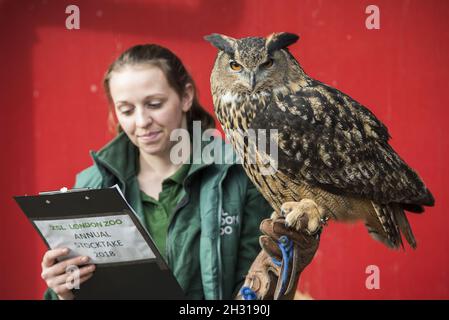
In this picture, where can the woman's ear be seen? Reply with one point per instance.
(187, 98)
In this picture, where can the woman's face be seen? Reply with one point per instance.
(147, 108)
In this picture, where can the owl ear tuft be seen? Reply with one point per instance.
(281, 40)
(221, 42)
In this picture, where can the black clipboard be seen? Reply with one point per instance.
(147, 278)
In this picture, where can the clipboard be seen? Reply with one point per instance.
(101, 222)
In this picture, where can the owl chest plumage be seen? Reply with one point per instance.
(235, 113)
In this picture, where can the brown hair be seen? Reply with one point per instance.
(173, 69)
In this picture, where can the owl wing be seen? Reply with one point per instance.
(328, 140)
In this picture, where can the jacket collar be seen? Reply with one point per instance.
(119, 156)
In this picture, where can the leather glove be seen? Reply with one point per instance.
(285, 253)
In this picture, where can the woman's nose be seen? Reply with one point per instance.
(143, 117)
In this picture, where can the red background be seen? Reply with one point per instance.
(53, 112)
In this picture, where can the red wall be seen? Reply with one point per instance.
(53, 112)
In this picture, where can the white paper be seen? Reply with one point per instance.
(105, 239)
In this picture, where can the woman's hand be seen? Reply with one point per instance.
(55, 273)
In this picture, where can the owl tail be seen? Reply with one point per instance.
(404, 226)
(390, 221)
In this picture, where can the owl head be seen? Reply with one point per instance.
(252, 64)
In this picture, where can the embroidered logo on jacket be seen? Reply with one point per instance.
(227, 223)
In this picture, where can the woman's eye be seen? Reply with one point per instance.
(153, 105)
(126, 112)
(267, 63)
(235, 66)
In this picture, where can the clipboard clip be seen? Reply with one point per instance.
(63, 190)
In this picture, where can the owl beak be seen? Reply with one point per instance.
(252, 80)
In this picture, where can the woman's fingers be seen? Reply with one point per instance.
(62, 276)
(69, 277)
(63, 291)
(61, 267)
(51, 255)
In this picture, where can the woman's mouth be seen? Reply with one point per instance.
(149, 137)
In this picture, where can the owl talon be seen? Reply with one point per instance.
(283, 213)
(275, 215)
(303, 215)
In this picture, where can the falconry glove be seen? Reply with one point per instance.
(285, 253)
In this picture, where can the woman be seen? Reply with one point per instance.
(204, 217)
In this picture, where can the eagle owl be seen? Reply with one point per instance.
(333, 158)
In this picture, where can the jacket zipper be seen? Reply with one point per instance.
(220, 208)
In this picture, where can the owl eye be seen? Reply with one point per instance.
(267, 63)
(235, 66)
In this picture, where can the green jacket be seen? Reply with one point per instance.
(230, 211)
